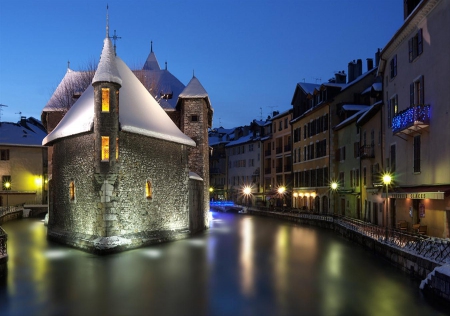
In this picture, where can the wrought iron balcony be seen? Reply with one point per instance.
(412, 119)
(367, 151)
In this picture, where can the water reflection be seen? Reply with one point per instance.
(242, 266)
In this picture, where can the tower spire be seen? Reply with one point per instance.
(107, 22)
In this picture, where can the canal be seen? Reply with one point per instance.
(244, 265)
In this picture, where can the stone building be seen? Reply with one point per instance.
(120, 175)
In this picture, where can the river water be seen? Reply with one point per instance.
(244, 265)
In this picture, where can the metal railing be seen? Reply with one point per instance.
(3, 239)
(432, 248)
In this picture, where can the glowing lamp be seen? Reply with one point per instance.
(301, 195)
(387, 178)
(295, 194)
(211, 189)
(334, 185)
(281, 190)
(7, 185)
(247, 190)
(313, 195)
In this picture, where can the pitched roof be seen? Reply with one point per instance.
(139, 112)
(151, 63)
(27, 132)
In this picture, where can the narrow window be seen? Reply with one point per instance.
(72, 191)
(105, 99)
(394, 66)
(105, 148)
(194, 118)
(148, 190)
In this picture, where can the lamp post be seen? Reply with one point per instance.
(295, 199)
(334, 187)
(247, 191)
(387, 180)
(281, 191)
(7, 185)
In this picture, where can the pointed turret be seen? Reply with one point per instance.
(151, 63)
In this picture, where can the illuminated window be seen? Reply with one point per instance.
(72, 191)
(105, 148)
(105, 99)
(148, 190)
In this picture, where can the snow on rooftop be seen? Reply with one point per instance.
(351, 118)
(194, 89)
(241, 140)
(107, 70)
(308, 87)
(193, 175)
(354, 107)
(29, 132)
(71, 78)
(139, 112)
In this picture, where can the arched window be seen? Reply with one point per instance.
(317, 204)
(325, 204)
(148, 190)
(72, 191)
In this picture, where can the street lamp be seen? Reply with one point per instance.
(386, 181)
(247, 192)
(334, 186)
(7, 185)
(281, 191)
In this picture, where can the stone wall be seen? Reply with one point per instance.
(138, 219)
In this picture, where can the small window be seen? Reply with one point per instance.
(148, 190)
(416, 153)
(72, 191)
(415, 46)
(4, 154)
(105, 148)
(394, 67)
(194, 118)
(105, 99)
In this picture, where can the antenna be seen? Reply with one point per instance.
(260, 113)
(1, 110)
(318, 79)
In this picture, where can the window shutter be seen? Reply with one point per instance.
(410, 45)
(411, 94)
(419, 42)
(421, 92)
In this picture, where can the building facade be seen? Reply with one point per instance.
(414, 65)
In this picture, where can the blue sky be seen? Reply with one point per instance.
(249, 54)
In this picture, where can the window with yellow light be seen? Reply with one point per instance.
(105, 148)
(105, 99)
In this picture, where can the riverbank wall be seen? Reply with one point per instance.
(418, 267)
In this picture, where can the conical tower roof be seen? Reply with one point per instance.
(151, 63)
(194, 89)
(107, 69)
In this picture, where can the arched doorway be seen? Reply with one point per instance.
(324, 204)
(317, 204)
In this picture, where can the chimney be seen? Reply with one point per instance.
(377, 58)
(23, 120)
(358, 68)
(340, 77)
(351, 71)
(369, 64)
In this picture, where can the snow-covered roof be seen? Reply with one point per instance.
(194, 89)
(377, 86)
(355, 107)
(71, 80)
(308, 87)
(350, 119)
(241, 140)
(193, 175)
(139, 112)
(107, 69)
(369, 113)
(160, 82)
(27, 132)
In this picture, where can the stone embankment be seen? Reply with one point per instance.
(435, 274)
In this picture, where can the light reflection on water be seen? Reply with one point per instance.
(242, 265)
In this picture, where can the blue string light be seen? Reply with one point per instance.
(408, 117)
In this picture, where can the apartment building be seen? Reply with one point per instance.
(415, 66)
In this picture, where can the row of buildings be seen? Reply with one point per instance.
(329, 152)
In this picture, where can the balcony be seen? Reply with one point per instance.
(367, 151)
(411, 120)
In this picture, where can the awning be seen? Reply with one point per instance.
(437, 192)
